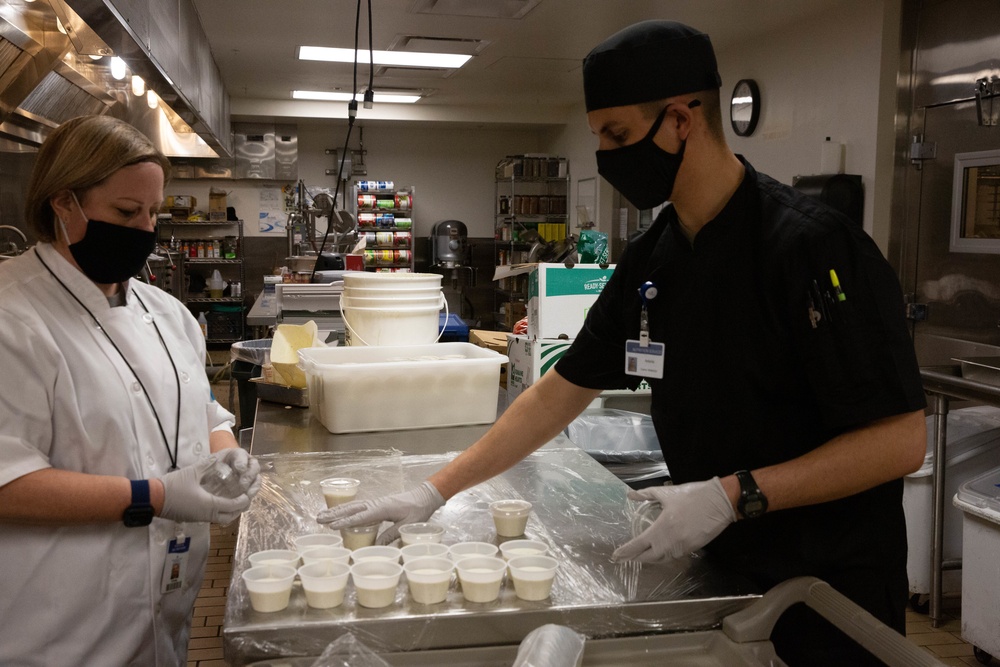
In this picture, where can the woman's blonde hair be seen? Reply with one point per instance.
(78, 155)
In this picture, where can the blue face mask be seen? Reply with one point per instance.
(110, 253)
(643, 172)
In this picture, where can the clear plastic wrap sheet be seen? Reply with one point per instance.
(579, 510)
(551, 646)
(616, 436)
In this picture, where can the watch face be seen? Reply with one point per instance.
(744, 108)
(753, 507)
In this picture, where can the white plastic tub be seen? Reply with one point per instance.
(354, 389)
(979, 501)
(973, 447)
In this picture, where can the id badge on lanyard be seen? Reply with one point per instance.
(644, 357)
(175, 564)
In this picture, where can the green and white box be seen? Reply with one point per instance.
(530, 358)
(559, 297)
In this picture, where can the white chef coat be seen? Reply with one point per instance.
(90, 594)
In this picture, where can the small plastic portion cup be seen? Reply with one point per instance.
(510, 516)
(322, 554)
(285, 557)
(324, 583)
(533, 576)
(428, 579)
(359, 536)
(375, 582)
(645, 515)
(514, 548)
(303, 542)
(390, 554)
(412, 533)
(481, 577)
(466, 549)
(423, 550)
(270, 586)
(339, 490)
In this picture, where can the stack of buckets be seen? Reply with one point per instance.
(391, 309)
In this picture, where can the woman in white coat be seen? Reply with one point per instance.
(107, 421)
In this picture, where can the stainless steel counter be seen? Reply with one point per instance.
(580, 510)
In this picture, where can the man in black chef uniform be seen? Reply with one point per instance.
(785, 390)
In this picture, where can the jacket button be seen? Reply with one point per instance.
(197, 447)
(147, 318)
(185, 377)
(136, 387)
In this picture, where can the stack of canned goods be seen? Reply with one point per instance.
(369, 202)
(388, 239)
(387, 257)
(371, 186)
(205, 248)
(376, 220)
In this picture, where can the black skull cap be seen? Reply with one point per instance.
(647, 61)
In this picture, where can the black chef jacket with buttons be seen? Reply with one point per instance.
(748, 381)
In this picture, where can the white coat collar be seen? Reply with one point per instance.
(80, 285)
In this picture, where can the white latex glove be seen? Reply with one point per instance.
(410, 506)
(693, 515)
(184, 498)
(245, 466)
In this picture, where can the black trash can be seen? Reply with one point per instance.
(248, 357)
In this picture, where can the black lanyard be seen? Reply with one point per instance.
(171, 455)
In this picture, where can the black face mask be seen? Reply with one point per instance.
(110, 253)
(643, 172)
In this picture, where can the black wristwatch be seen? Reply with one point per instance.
(752, 502)
(140, 512)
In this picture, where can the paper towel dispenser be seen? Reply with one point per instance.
(843, 192)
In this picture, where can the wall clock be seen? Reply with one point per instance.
(744, 108)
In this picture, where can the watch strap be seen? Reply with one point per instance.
(140, 512)
(752, 502)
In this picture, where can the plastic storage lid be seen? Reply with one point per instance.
(983, 492)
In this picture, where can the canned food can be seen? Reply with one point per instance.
(368, 186)
(385, 204)
(366, 219)
(401, 239)
(383, 239)
(403, 223)
(385, 220)
(366, 201)
(371, 239)
(404, 202)
(385, 256)
(401, 256)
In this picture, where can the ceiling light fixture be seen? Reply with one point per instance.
(118, 68)
(138, 85)
(397, 58)
(326, 96)
(152, 100)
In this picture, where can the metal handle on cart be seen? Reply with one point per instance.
(756, 622)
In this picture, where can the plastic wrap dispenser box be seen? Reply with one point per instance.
(418, 386)
(973, 447)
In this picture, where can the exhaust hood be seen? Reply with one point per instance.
(54, 65)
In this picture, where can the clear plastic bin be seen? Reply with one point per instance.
(354, 389)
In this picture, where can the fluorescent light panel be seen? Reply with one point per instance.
(327, 96)
(398, 58)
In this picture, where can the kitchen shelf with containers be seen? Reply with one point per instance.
(531, 207)
(208, 257)
(385, 222)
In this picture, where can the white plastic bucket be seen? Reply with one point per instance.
(391, 325)
(436, 300)
(387, 291)
(392, 280)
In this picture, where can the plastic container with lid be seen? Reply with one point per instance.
(979, 501)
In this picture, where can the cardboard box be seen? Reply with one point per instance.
(217, 205)
(491, 340)
(181, 201)
(559, 297)
(531, 358)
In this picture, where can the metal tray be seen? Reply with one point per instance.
(280, 393)
(981, 369)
